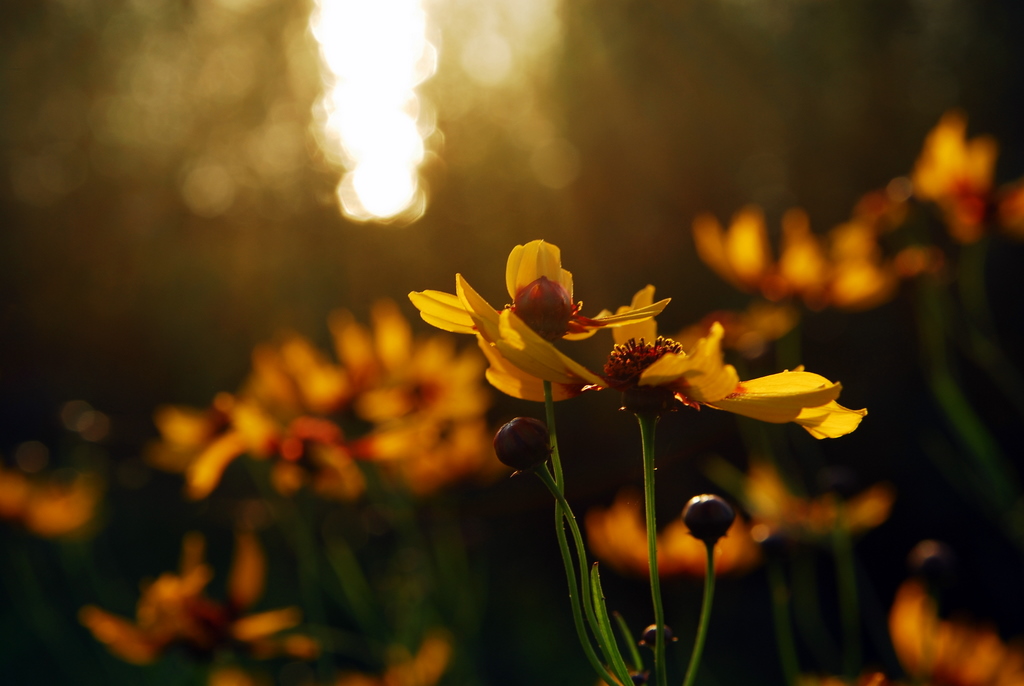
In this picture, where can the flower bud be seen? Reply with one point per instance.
(522, 443)
(650, 635)
(638, 679)
(708, 517)
(545, 306)
(934, 560)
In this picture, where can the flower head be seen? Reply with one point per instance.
(662, 374)
(541, 293)
(174, 611)
(776, 508)
(47, 506)
(948, 652)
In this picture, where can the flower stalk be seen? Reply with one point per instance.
(647, 425)
(705, 617)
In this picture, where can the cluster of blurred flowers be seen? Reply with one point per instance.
(414, 407)
(859, 264)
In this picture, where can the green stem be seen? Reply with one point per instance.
(647, 425)
(549, 415)
(563, 512)
(783, 625)
(705, 616)
(846, 579)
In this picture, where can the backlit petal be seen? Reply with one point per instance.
(512, 380)
(701, 375)
(266, 623)
(797, 396)
(204, 474)
(484, 317)
(121, 637)
(524, 348)
(248, 570)
(443, 310)
(391, 334)
(646, 330)
(831, 420)
(527, 263)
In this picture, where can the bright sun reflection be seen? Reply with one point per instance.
(374, 54)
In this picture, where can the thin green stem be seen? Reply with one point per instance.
(705, 616)
(585, 594)
(647, 425)
(783, 623)
(638, 663)
(846, 579)
(562, 512)
(549, 415)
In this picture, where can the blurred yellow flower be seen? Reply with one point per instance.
(866, 679)
(850, 274)
(173, 611)
(542, 296)
(957, 175)
(48, 506)
(661, 367)
(419, 401)
(617, 535)
(425, 668)
(954, 652)
(773, 505)
(747, 332)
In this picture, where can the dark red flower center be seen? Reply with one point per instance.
(629, 359)
(546, 307)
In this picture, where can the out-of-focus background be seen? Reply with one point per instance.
(168, 201)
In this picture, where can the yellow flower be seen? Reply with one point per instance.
(46, 506)
(956, 174)
(618, 536)
(425, 668)
(949, 652)
(295, 400)
(174, 611)
(747, 332)
(849, 275)
(542, 296)
(774, 506)
(664, 371)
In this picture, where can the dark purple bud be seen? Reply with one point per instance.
(935, 561)
(708, 517)
(522, 443)
(545, 306)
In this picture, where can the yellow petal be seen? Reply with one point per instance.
(248, 569)
(796, 396)
(204, 474)
(483, 316)
(746, 246)
(831, 420)
(392, 335)
(443, 310)
(513, 381)
(265, 623)
(121, 637)
(646, 330)
(527, 263)
(701, 375)
(524, 348)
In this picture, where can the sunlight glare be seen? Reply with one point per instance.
(374, 54)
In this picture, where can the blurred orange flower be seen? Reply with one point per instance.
(48, 506)
(425, 668)
(850, 274)
(617, 535)
(393, 389)
(173, 611)
(747, 332)
(949, 652)
(773, 505)
(957, 175)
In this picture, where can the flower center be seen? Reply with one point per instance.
(546, 307)
(629, 359)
